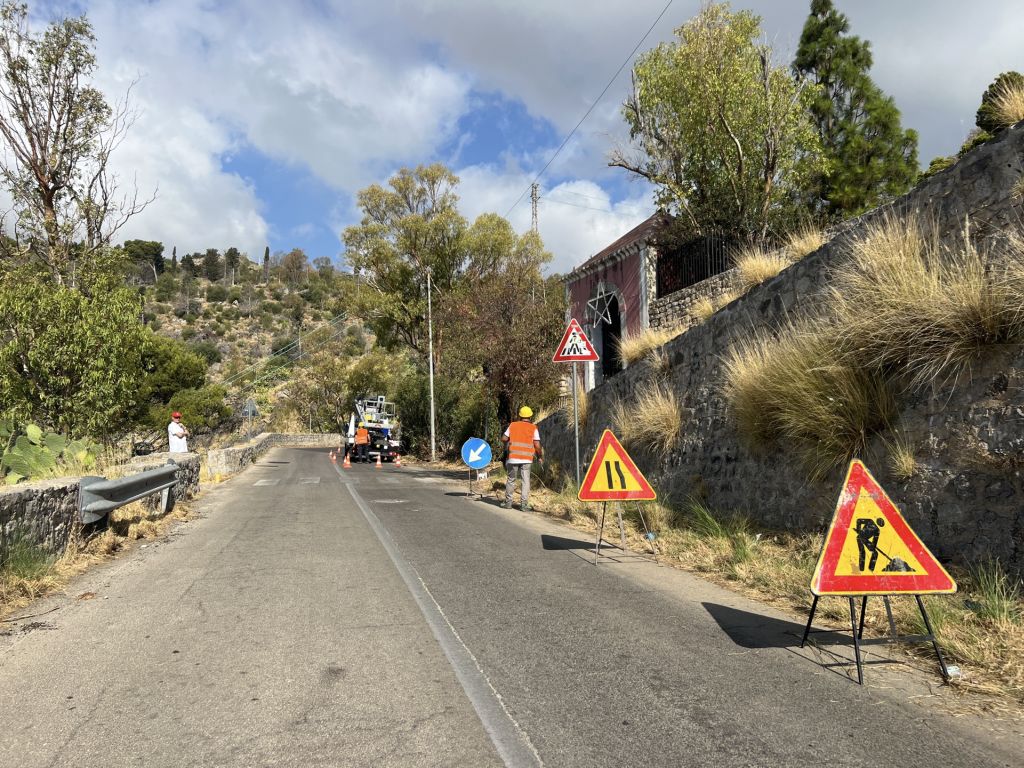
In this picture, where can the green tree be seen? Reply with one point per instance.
(232, 258)
(294, 266)
(168, 366)
(59, 133)
(406, 229)
(723, 134)
(147, 255)
(70, 358)
(988, 118)
(870, 157)
(213, 267)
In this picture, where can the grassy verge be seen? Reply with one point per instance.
(981, 628)
(28, 572)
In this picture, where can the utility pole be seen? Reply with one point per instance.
(534, 197)
(430, 338)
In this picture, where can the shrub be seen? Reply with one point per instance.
(937, 165)
(188, 333)
(975, 138)
(207, 350)
(201, 409)
(216, 293)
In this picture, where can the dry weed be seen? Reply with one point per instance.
(703, 308)
(902, 461)
(803, 242)
(661, 423)
(636, 346)
(582, 404)
(755, 265)
(1008, 105)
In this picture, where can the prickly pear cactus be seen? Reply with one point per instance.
(38, 454)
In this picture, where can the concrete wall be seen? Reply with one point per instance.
(968, 498)
(228, 461)
(45, 513)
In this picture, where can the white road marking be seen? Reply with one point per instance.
(266, 482)
(309, 481)
(513, 744)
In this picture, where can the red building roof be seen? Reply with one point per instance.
(639, 232)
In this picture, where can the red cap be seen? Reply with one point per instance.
(175, 415)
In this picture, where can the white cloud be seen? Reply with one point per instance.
(575, 219)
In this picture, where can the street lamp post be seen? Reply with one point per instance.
(430, 343)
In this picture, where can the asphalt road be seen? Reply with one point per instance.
(315, 616)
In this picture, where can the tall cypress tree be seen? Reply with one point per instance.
(871, 157)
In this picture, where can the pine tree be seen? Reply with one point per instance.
(213, 267)
(871, 158)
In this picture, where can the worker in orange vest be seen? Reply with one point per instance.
(523, 440)
(362, 443)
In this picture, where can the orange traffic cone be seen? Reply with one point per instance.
(346, 464)
(334, 459)
(378, 462)
(398, 460)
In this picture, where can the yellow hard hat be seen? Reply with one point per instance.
(360, 423)
(525, 412)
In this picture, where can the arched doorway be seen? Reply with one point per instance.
(611, 332)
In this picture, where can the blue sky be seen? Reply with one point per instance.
(258, 123)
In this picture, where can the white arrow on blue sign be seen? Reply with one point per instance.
(476, 453)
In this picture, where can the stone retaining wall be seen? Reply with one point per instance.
(967, 498)
(45, 513)
(677, 308)
(229, 461)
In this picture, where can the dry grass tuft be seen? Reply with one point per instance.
(804, 242)
(755, 265)
(651, 420)
(906, 312)
(582, 404)
(1008, 105)
(703, 308)
(902, 462)
(636, 346)
(798, 390)
(1017, 193)
(908, 304)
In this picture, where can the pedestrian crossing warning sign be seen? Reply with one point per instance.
(574, 347)
(871, 550)
(612, 475)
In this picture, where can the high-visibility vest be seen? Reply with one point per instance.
(362, 436)
(520, 441)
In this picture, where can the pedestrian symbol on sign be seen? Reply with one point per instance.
(575, 347)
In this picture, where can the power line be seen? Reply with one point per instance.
(575, 205)
(284, 350)
(591, 109)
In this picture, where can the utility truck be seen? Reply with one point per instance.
(380, 417)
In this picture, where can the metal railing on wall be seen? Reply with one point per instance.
(98, 496)
(692, 263)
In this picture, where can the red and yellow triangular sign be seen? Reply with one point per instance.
(574, 347)
(871, 550)
(613, 476)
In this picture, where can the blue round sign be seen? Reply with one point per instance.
(476, 453)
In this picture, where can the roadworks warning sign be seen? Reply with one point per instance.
(871, 550)
(613, 475)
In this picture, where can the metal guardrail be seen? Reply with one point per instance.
(98, 497)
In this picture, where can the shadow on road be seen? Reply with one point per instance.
(752, 630)
(559, 542)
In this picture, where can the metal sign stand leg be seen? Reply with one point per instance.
(857, 628)
(600, 533)
(649, 537)
(622, 527)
